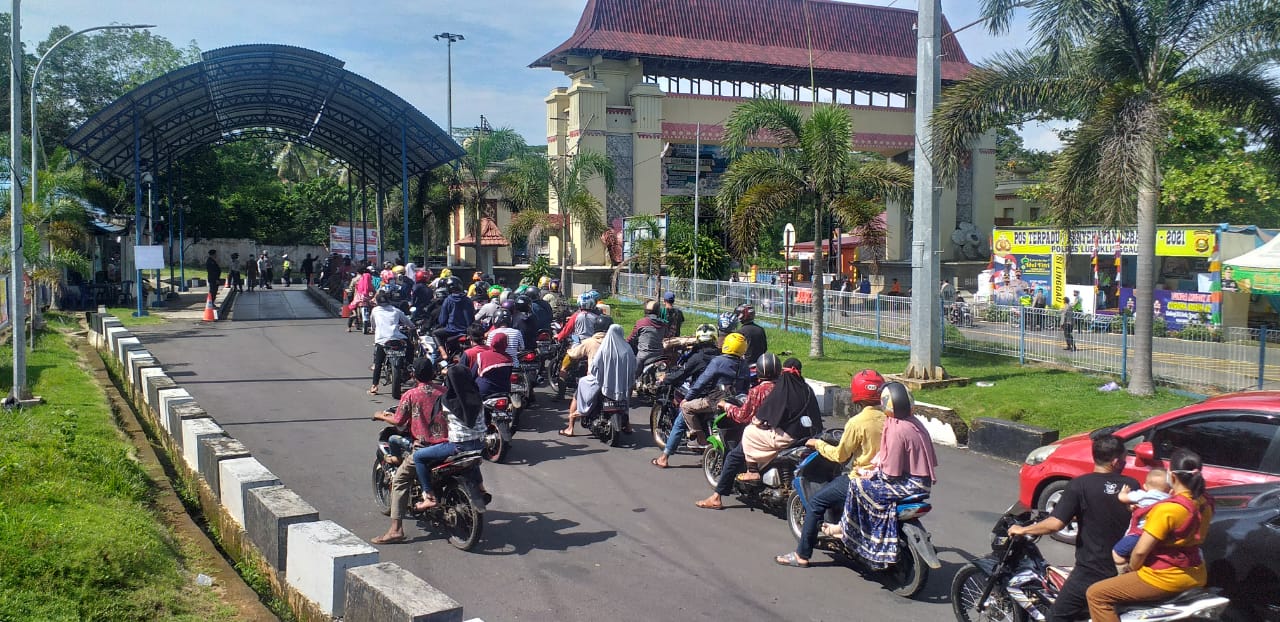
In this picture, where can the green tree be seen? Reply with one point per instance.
(814, 167)
(1210, 173)
(1122, 68)
(567, 178)
(487, 152)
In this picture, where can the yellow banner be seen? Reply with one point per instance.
(1059, 279)
(1170, 241)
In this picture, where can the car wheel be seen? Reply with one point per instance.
(1049, 498)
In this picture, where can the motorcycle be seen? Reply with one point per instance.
(774, 487)
(396, 366)
(960, 314)
(1015, 583)
(607, 420)
(577, 369)
(916, 555)
(666, 407)
(461, 509)
(523, 378)
(649, 378)
(500, 420)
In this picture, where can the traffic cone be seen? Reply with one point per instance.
(346, 310)
(210, 315)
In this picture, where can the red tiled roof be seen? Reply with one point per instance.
(490, 235)
(847, 37)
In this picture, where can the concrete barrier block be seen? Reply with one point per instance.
(168, 399)
(182, 412)
(212, 451)
(113, 334)
(268, 512)
(144, 377)
(108, 322)
(136, 365)
(386, 592)
(319, 554)
(123, 345)
(1007, 439)
(236, 477)
(825, 392)
(192, 431)
(132, 356)
(944, 425)
(154, 385)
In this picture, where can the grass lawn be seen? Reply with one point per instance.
(126, 317)
(1051, 397)
(78, 536)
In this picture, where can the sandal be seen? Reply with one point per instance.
(423, 506)
(386, 539)
(654, 462)
(704, 504)
(791, 559)
(373, 391)
(563, 433)
(749, 476)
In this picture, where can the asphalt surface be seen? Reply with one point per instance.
(577, 530)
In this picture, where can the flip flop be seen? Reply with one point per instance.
(372, 392)
(563, 433)
(792, 560)
(421, 506)
(383, 539)
(654, 462)
(710, 506)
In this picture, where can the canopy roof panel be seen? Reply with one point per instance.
(265, 90)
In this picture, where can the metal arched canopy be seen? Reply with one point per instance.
(279, 91)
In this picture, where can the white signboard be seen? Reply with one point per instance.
(788, 238)
(148, 257)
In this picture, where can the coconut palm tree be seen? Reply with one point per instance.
(1119, 67)
(487, 151)
(567, 178)
(814, 167)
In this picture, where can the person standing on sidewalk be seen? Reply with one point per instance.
(308, 267)
(215, 273)
(1068, 318)
(251, 272)
(286, 266)
(233, 273)
(264, 270)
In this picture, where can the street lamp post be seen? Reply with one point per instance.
(16, 285)
(35, 80)
(449, 38)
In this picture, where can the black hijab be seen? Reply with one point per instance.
(789, 405)
(462, 395)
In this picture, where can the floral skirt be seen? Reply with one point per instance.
(870, 520)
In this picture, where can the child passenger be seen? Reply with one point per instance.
(1155, 490)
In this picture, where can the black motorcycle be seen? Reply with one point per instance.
(666, 407)
(395, 369)
(607, 420)
(461, 508)
(916, 555)
(524, 376)
(562, 385)
(501, 426)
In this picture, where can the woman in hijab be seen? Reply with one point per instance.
(789, 411)
(362, 300)
(903, 467)
(612, 373)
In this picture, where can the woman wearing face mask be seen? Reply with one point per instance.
(1167, 555)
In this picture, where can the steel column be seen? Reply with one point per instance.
(182, 241)
(351, 218)
(168, 187)
(926, 336)
(404, 192)
(364, 212)
(137, 213)
(17, 284)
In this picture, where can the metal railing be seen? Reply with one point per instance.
(1200, 358)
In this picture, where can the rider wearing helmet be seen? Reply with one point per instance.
(490, 308)
(858, 445)
(705, 349)
(726, 374)
(554, 299)
(539, 311)
(904, 466)
(456, 314)
(758, 442)
(757, 342)
(522, 320)
(586, 349)
(646, 338)
(580, 325)
(502, 322)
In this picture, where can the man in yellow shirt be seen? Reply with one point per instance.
(858, 445)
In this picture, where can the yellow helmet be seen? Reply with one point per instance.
(544, 281)
(735, 344)
(446, 273)
(398, 269)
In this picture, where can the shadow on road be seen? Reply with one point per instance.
(282, 381)
(280, 421)
(515, 533)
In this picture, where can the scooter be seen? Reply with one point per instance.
(460, 513)
(916, 554)
(607, 421)
(1015, 583)
(497, 438)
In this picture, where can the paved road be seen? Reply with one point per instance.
(577, 531)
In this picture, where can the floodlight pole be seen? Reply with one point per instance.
(449, 38)
(17, 287)
(926, 330)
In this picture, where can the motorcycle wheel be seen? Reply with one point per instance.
(660, 423)
(397, 381)
(495, 448)
(967, 588)
(554, 381)
(909, 574)
(381, 486)
(712, 464)
(462, 518)
(610, 435)
(795, 515)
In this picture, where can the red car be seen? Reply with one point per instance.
(1237, 436)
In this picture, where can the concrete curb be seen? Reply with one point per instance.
(325, 300)
(315, 565)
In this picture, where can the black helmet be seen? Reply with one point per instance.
(508, 305)
(896, 400)
(523, 304)
(768, 366)
(453, 284)
(502, 319)
(728, 322)
(603, 322)
(745, 312)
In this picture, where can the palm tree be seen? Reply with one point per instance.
(1120, 67)
(567, 178)
(487, 150)
(815, 167)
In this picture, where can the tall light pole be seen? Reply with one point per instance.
(35, 79)
(926, 329)
(16, 286)
(449, 38)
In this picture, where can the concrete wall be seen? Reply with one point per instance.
(315, 565)
(248, 248)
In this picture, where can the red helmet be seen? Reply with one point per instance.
(866, 385)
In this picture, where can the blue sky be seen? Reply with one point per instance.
(389, 42)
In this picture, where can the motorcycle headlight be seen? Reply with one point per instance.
(1040, 454)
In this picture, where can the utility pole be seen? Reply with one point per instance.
(697, 187)
(17, 288)
(926, 329)
(449, 38)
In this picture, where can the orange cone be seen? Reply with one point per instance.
(346, 311)
(210, 315)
